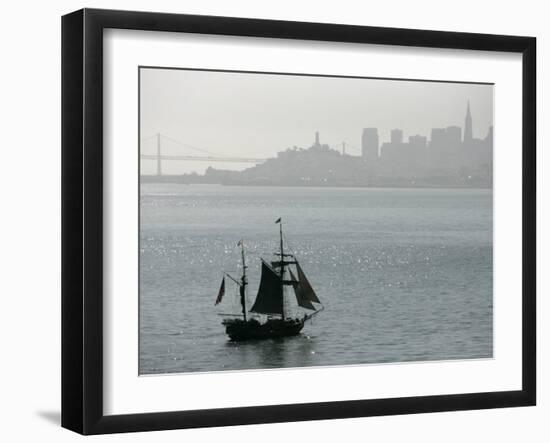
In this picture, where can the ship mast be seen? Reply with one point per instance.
(244, 282)
(282, 269)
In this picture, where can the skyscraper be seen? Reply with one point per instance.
(454, 135)
(468, 135)
(418, 141)
(396, 136)
(369, 145)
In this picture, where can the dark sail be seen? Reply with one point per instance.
(220, 293)
(270, 293)
(306, 290)
(300, 296)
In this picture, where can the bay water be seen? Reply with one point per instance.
(404, 274)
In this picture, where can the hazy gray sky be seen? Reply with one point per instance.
(257, 115)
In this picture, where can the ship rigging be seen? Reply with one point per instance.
(276, 276)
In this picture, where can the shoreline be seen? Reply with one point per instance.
(174, 181)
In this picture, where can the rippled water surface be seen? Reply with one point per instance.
(404, 274)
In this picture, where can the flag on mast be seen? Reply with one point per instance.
(221, 292)
(278, 220)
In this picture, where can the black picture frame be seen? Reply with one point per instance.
(82, 220)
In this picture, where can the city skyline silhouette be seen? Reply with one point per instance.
(259, 115)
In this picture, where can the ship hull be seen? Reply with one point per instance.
(240, 330)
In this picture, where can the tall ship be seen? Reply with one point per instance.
(268, 316)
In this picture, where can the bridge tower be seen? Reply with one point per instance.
(159, 165)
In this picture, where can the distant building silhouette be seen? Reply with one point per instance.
(468, 132)
(396, 136)
(396, 156)
(317, 143)
(489, 136)
(418, 145)
(437, 136)
(369, 146)
(454, 135)
(419, 142)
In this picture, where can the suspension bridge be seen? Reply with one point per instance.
(186, 152)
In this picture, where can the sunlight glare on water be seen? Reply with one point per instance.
(404, 274)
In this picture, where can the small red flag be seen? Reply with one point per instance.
(221, 293)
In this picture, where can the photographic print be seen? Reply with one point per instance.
(293, 220)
